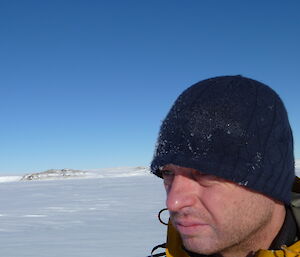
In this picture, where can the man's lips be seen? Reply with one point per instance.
(189, 227)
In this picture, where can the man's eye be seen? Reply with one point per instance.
(167, 173)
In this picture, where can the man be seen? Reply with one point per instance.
(225, 153)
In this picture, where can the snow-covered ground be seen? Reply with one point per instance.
(101, 213)
(109, 216)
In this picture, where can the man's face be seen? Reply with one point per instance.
(211, 214)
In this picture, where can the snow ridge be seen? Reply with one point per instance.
(55, 174)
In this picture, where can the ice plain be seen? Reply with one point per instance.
(103, 213)
(113, 213)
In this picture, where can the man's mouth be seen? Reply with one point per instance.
(190, 227)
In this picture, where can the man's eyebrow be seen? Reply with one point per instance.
(165, 167)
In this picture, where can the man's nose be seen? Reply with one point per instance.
(182, 193)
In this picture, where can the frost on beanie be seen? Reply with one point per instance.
(232, 127)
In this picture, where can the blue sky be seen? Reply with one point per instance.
(86, 84)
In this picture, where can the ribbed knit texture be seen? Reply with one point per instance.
(232, 127)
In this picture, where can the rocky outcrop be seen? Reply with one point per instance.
(54, 174)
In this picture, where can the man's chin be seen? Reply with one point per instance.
(198, 246)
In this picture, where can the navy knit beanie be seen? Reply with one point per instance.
(232, 127)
